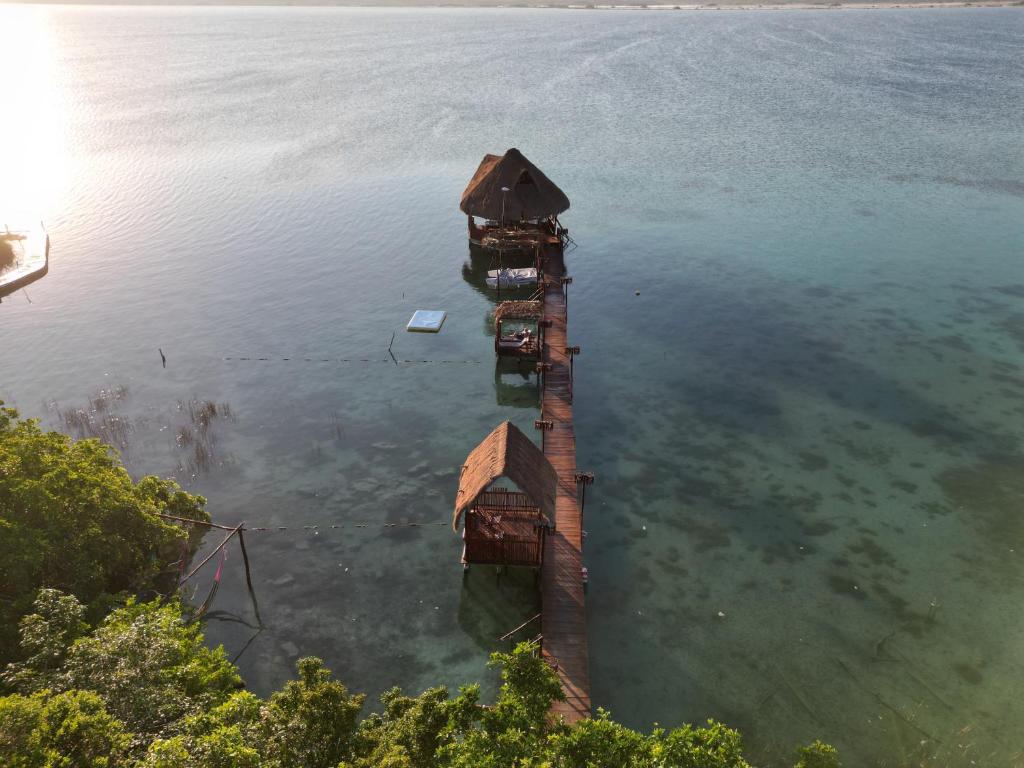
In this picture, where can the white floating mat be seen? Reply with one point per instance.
(426, 321)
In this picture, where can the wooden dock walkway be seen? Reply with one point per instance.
(563, 615)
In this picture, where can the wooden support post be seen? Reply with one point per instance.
(543, 425)
(542, 367)
(248, 577)
(572, 352)
(583, 479)
(566, 282)
(542, 327)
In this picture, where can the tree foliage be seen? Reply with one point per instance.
(817, 754)
(150, 668)
(142, 689)
(48, 730)
(71, 518)
(139, 688)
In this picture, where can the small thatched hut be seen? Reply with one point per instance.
(502, 526)
(511, 193)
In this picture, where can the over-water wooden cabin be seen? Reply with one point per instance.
(502, 526)
(518, 330)
(517, 205)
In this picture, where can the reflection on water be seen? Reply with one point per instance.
(33, 144)
(798, 304)
(516, 383)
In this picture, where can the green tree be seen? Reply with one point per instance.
(66, 730)
(514, 731)
(311, 721)
(714, 746)
(140, 687)
(599, 742)
(817, 754)
(72, 519)
(149, 666)
(411, 730)
(46, 636)
(227, 736)
(143, 689)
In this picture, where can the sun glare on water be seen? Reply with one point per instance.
(33, 144)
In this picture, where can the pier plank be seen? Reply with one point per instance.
(563, 614)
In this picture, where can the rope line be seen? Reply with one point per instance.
(312, 527)
(264, 529)
(389, 361)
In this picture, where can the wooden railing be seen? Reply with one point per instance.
(506, 550)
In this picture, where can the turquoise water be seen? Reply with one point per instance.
(805, 427)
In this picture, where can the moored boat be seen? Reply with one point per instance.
(24, 258)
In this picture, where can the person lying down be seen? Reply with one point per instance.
(516, 339)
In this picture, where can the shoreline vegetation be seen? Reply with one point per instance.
(726, 5)
(93, 675)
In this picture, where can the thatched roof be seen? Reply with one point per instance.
(531, 195)
(507, 452)
(519, 310)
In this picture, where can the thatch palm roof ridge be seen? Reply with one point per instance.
(531, 195)
(519, 310)
(507, 452)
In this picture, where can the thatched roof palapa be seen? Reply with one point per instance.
(531, 195)
(519, 310)
(507, 452)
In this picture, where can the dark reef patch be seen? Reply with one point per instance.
(875, 554)
(968, 673)
(1014, 327)
(706, 536)
(990, 498)
(818, 528)
(1017, 289)
(812, 462)
(956, 342)
(904, 485)
(842, 585)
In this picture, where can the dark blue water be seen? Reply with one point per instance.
(805, 427)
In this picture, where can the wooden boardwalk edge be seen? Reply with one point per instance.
(563, 612)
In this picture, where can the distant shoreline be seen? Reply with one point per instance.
(562, 5)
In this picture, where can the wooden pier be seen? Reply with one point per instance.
(517, 207)
(563, 612)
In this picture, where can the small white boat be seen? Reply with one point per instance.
(24, 258)
(511, 278)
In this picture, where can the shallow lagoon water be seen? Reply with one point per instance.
(805, 428)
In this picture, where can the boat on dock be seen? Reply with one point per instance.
(24, 258)
(511, 278)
